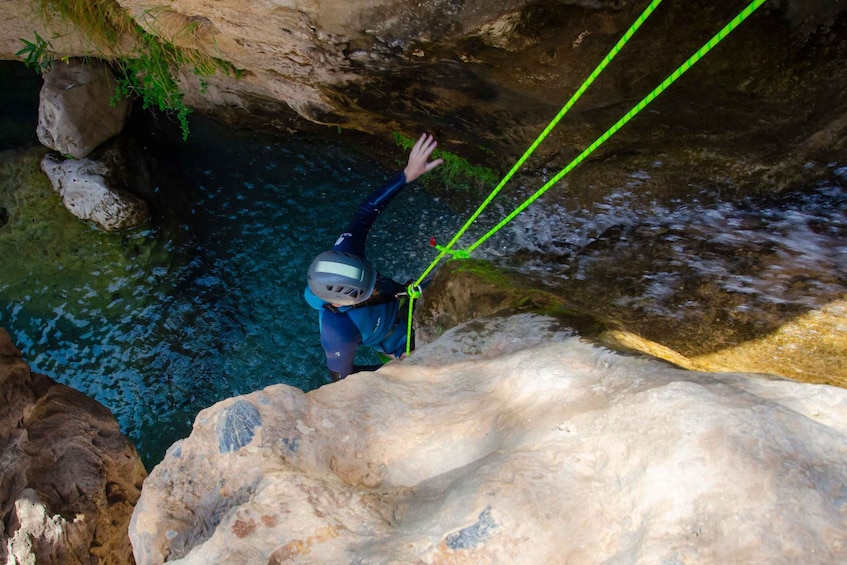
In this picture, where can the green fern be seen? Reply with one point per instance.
(149, 76)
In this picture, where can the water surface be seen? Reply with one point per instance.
(206, 302)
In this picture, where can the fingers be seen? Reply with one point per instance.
(432, 164)
(419, 156)
(424, 147)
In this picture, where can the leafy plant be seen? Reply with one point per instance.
(149, 77)
(456, 170)
(38, 54)
(149, 71)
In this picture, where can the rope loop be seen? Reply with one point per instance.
(414, 292)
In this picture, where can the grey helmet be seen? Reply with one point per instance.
(340, 278)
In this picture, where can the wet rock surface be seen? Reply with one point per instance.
(752, 287)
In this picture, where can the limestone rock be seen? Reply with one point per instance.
(88, 194)
(76, 113)
(68, 477)
(508, 440)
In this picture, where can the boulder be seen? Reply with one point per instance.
(88, 192)
(508, 440)
(77, 111)
(68, 477)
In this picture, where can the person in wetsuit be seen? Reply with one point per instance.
(357, 306)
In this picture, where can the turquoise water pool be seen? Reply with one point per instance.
(206, 302)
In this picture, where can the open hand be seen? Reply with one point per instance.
(418, 164)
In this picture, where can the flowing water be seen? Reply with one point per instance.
(797, 231)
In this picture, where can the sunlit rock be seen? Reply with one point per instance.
(88, 193)
(78, 110)
(508, 440)
(68, 477)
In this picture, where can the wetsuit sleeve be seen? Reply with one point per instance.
(356, 233)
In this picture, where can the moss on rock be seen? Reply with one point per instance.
(43, 244)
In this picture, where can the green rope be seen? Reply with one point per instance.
(736, 21)
(414, 289)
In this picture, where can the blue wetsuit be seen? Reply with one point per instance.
(379, 322)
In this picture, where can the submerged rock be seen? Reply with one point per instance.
(510, 440)
(68, 477)
(46, 247)
(88, 194)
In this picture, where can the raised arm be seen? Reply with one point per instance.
(356, 232)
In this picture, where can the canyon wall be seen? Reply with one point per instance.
(765, 110)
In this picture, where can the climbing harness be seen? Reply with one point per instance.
(413, 289)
